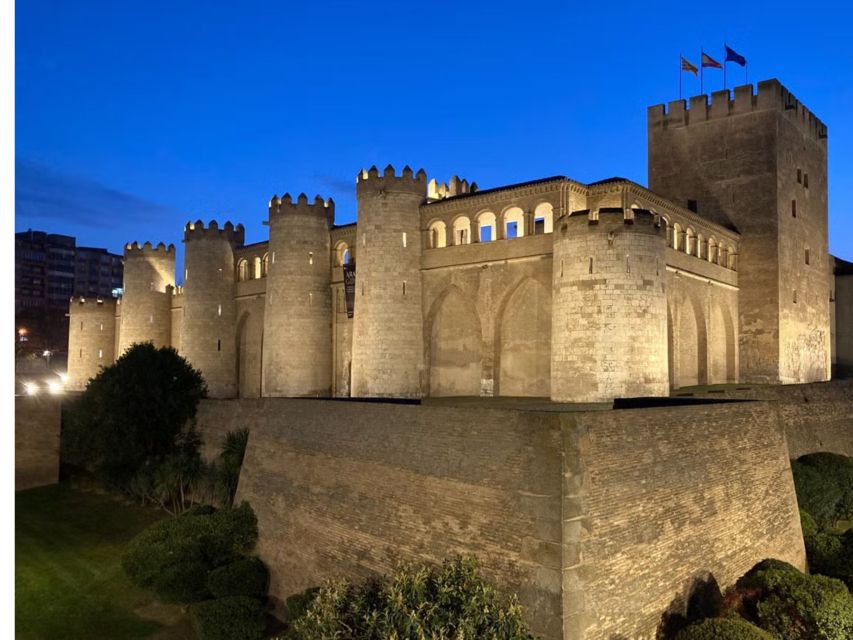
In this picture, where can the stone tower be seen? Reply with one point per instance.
(387, 344)
(608, 336)
(145, 306)
(208, 337)
(91, 339)
(297, 343)
(760, 162)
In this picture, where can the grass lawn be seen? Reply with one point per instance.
(68, 578)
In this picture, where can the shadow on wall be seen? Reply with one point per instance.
(701, 599)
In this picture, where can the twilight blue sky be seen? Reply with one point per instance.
(134, 117)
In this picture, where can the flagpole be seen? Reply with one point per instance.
(701, 72)
(680, 73)
(725, 67)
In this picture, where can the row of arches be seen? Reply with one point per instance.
(486, 226)
(701, 343)
(253, 268)
(687, 240)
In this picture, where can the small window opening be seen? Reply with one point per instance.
(310, 299)
(538, 226)
(404, 239)
(100, 353)
(364, 240)
(806, 181)
(799, 176)
(807, 257)
(511, 230)
(81, 325)
(485, 234)
(590, 264)
(186, 274)
(219, 310)
(102, 326)
(310, 257)
(81, 353)
(404, 287)
(793, 208)
(219, 345)
(693, 205)
(795, 296)
(151, 319)
(627, 264)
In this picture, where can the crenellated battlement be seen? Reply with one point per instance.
(196, 230)
(771, 95)
(454, 187)
(134, 249)
(83, 304)
(615, 215)
(285, 205)
(371, 181)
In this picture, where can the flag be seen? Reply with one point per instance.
(686, 65)
(734, 56)
(708, 61)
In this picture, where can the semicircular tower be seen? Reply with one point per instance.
(208, 329)
(145, 305)
(608, 336)
(387, 344)
(297, 357)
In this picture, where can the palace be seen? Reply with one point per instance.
(718, 272)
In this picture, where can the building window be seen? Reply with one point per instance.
(793, 208)
(807, 257)
(693, 205)
(799, 176)
(806, 181)
(795, 296)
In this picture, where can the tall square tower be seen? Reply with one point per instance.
(758, 163)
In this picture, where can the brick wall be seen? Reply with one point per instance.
(37, 421)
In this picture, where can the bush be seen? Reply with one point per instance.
(838, 469)
(244, 577)
(228, 465)
(173, 557)
(450, 601)
(817, 494)
(299, 603)
(807, 523)
(133, 412)
(795, 606)
(231, 618)
(723, 629)
(831, 555)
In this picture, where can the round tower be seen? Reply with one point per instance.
(297, 359)
(208, 328)
(91, 339)
(145, 306)
(387, 344)
(608, 337)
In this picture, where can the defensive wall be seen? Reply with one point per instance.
(598, 519)
(37, 424)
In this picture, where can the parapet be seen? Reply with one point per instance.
(196, 230)
(302, 207)
(771, 95)
(455, 187)
(608, 216)
(371, 181)
(82, 304)
(134, 249)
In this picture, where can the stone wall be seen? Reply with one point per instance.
(598, 520)
(37, 423)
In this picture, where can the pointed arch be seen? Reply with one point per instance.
(721, 344)
(523, 341)
(691, 343)
(249, 337)
(455, 346)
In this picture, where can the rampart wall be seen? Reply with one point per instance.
(598, 520)
(37, 423)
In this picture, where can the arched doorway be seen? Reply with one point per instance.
(524, 342)
(455, 343)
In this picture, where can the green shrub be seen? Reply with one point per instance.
(807, 523)
(838, 469)
(244, 577)
(723, 629)
(298, 603)
(132, 412)
(231, 618)
(831, 555)
(795, 606)
(228, 465)
(817, 493)
(450, 601)
(173, 557)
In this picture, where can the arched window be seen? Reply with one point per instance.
(462, 230)
(690, 242)
(437, 235)
(342, 254)
(732, 262)
(700, 246)
(543, 218)
(256, 271)
(667, 229)
(265, 265)
(712, 250)
(676, 237)
(513, 223)
(243, 270)
(487, 226)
